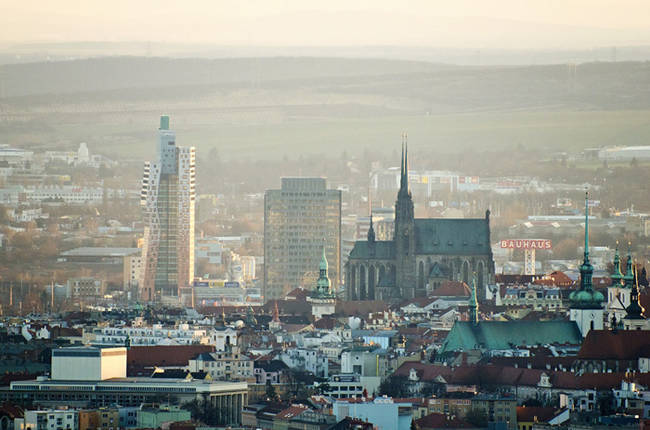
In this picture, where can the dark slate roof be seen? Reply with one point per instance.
(463, 236)
(171, 374)
(206, 356)
(384, 250)
(439, 271)
(465, 335)
(437, 236)
(271, 365)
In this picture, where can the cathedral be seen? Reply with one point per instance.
(423, 253)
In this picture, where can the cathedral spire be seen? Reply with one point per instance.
(402, 168)
(371, 230)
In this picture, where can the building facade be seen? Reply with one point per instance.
(167, 199)
(298, 219)
(423, 253)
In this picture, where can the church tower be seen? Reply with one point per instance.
(617, 299)
(634, 318)
(473, 305)
(322, 299)
(404, 237)
(586, 304)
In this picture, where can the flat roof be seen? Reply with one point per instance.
(157, 384)
(88, 251)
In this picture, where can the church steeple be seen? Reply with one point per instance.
(586, 270)
(371, 231)
(323, 284)
(404, 235)
(617, 275)
(404, 170)
(473, 304)
(629, 274)
(586, 297)
(635, 311)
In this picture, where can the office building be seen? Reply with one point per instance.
(90, 377)
(167, 199)
(298, 219)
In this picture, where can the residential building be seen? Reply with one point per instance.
(536, 297)
(85, 289)
(167, 199)
(156, 334)
(298, 219)
(152, 418)
(51, 419)
(227, 365)
(383, 412)
(132, 273)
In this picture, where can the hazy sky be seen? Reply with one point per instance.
(437, 23)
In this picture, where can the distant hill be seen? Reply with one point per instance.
(421, 85)
(269, 107)
(103, 74)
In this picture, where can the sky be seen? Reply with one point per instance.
(506, 24)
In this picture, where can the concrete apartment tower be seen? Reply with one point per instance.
(299, 219)
(167, 199)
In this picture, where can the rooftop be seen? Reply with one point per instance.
(87, 251)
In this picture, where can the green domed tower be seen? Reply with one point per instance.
(628, 278)
(323, 284)
(617, 276)
(322, 299)
(587, 304)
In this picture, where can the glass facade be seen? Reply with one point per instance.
(298, 219)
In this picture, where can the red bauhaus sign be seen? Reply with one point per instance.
(526, 243)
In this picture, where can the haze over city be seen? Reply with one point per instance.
(324, 215)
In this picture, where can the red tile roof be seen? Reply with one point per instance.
(360, 308)
(426, 372)
(452, 289)
(164, 355)
(619, 345)
(299, 294)
(533, 414)
(442, 421)
(291, 412)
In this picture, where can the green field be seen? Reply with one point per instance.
(552, 131)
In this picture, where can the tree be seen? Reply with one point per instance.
(394, 386)
(270, 391)
(566, 249)
(477, 417)
(532, 402)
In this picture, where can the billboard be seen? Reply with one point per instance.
(526, 243)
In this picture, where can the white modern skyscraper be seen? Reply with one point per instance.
(167, 199)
